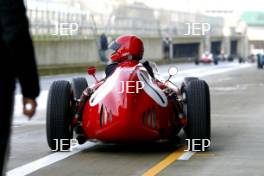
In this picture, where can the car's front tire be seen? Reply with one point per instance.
(198, 113)
(58, 126)
(185, 82)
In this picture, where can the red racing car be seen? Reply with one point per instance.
(129, 105)
(207, 58)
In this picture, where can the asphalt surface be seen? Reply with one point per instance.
(237, 102)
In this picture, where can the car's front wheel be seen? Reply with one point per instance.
(58, 126)
(197, 105)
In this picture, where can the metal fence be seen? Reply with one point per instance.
(142, 21)
(52, 24)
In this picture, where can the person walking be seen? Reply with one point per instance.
(17, 63)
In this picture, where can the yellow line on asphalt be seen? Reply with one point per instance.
(205, 154)
(165, 162)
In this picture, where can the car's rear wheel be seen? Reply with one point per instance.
(240, 60)
(78, 86)
(259, 64)
(196, 61)
(216, 61)
(198, 127)
(59, 132)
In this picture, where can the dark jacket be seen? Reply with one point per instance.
(16, 48)
(103, 42)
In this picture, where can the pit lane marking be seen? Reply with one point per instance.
(186, 156)
(47, 160)
(206, 154)
(179, 154)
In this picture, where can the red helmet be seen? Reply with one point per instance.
(127, 47)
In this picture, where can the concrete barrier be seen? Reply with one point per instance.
(65, 52)
(56, 53)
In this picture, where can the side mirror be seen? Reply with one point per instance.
(91, 70)
(173, 71)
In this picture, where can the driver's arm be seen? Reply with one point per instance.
(148, 67)
(109, 69)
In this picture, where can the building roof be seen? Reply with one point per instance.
(253, 18)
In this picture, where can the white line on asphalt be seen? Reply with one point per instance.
(186, 155)
(47, 160)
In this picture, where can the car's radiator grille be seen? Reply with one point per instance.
(105, 116)
(149, 118)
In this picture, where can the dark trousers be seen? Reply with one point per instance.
(6, 109)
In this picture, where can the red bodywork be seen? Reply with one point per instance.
(206, 58)
(145, 115)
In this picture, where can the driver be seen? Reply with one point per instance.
(127, 47)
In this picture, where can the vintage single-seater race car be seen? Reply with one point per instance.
(129, 105)
(207, 58)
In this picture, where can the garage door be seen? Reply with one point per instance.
(234, 47)
(185, 50)
(216, 47)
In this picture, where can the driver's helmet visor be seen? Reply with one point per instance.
(114, 46)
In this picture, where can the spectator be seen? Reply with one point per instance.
(18, 62)
(166, 48)
(103, 48)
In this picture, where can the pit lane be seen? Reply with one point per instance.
(237, 142)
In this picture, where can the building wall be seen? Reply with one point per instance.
(257, 44)
(256, 36)
(153, 48)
